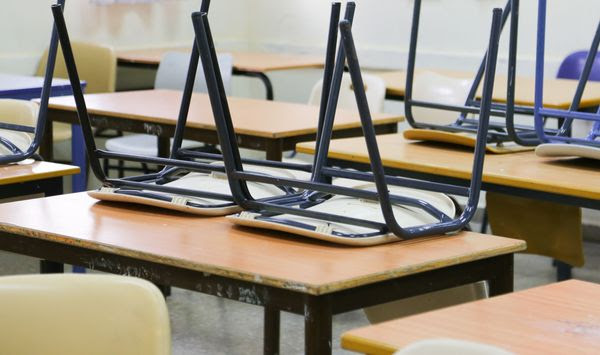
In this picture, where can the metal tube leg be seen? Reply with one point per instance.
(317, 325)
(51, 267)
(271, 330)
(563, 271)
(262, 77)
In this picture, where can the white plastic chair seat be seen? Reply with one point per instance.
(142, 144)
(374, 89)
(443, 346)
(82, 314)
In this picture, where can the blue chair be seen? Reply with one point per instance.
(572, 66)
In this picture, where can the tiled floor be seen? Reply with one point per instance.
(208, 325)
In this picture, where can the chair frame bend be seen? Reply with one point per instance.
(562, 135)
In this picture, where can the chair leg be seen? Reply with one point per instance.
(145, 168)
(564, 271)
(484, 222)
(121, 169)
(105, 166)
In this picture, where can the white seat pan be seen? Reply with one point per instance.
(21, 139)
(141, 144)
(567, 150)
(356, 208)
(215, 183)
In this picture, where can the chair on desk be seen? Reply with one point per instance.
(97, 66)
(82, 314)
(171, 75)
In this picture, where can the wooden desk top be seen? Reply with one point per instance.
(561, 318)
(270, 119)
(216, 246)
(567, 176)
(558, 93)
(246, 61)
(16, 173)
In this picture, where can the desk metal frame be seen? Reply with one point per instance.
(316, 309)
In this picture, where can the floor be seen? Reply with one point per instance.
(208, 325)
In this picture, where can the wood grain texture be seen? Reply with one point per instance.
(562, 318)
(215, 246)
(16, 173)
(246, 61)
(270, 119)
(522, 170)
(558, 93)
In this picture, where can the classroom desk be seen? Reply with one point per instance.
(558, 93)
(263, 125)
(560, 318)
(36, 178)
(250, 64)
(278, 271)
(574, 181)
(23, 87)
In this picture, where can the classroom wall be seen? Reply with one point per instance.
(24, 26)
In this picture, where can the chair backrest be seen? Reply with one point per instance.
(433, 87)
(374, 88)
(572, 66)
(173, 68)
(96, 64)
(19, 112)
(82, 314)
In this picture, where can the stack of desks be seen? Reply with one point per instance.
(278, 271)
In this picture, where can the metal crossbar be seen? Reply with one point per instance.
(319, 189)
(18, 154)
(562, 134)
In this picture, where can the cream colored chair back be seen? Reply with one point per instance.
(96, 65)
(374, 88)
(82, 314)
(19, 112)
(434, 87)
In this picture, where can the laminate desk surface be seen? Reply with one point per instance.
(270, 119)
(244, 61)
(18, 173)
(558, 93)
(567, 176)
(561, 318)
(216, 246)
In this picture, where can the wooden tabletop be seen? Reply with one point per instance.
(215, 246)
(270, 119)
(561, 318)
(244, 61)
(558, 93)
(17, 173)
(522, 170)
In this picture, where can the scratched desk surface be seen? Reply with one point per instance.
(215, 246)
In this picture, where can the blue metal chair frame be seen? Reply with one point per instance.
(499, 132)
(319, 188)
(38, 131)
(541, 113)
(180, 160)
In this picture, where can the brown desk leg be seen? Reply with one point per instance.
(504, 280)
(317, 325)
(274, 149)
(271, 330)
(164, 147)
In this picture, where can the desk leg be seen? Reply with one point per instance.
(503, 282)
(79, 158)
(262, 77)
(271, 330)
(274, 149)
(317, 325)
(47, 144)
(51, 267)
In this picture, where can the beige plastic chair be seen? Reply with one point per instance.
(21, 112)
(96, 65)
(374, 88)
(82, 314)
